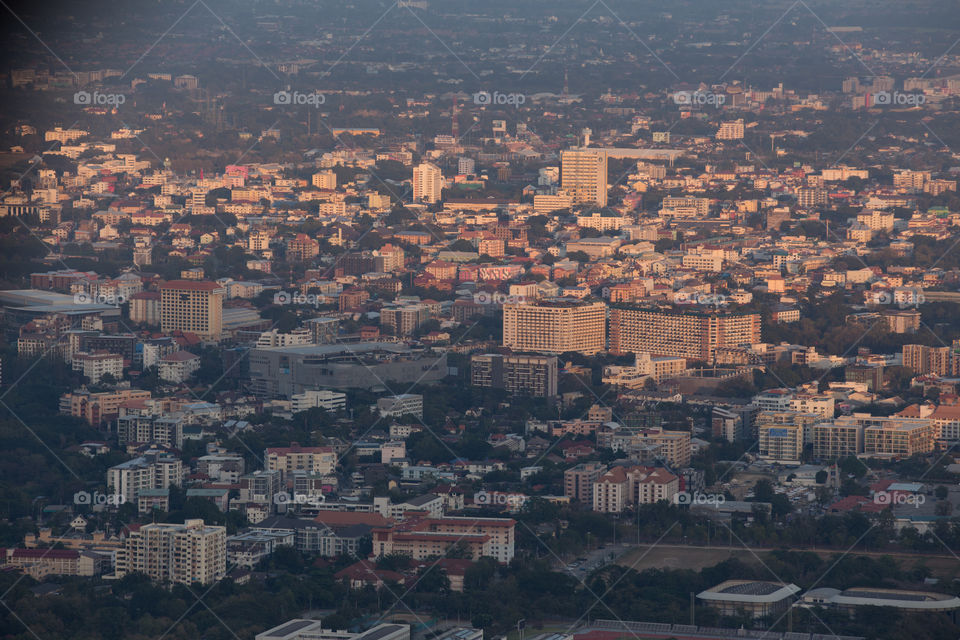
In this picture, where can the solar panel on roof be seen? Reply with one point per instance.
(376, 634)
(752, 589)
(287, 629)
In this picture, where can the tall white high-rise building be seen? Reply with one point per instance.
(731, 130)
(583, 174)
(188, 553)
(427, 183)
(466, 166)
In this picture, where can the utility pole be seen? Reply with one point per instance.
(693, 622)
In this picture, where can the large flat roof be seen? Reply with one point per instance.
(749, 591)
(630, 152)
(337, 349)
(898, 598)
(380, 631)
(289, 628)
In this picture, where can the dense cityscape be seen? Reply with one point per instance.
(421, 320)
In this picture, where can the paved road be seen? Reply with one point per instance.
(857, 552)
(595, 559)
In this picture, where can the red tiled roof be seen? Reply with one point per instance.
(179, 356)
(364, 571)
(857, 503)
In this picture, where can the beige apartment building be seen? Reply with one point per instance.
(624, 486)
(781, 443)
(782, 435)
(427, 183)
(432, 537)
(99, 407)
(731, 130)
(673, 447)
(188, 553)
(838, 439)
(40, 563)
(583, 176)
(923, 359)
(192, 306)
(152, 471)
(899, 437)
(610, 491)
(888, 437)
(555, 326)
(315, 460)
(687, 334)
(578, 481)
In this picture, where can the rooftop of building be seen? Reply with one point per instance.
(749, 591)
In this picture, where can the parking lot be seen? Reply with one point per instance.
(594, 559)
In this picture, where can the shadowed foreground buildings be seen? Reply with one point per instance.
(422, 538)
(313, 630)
(758, 599)
(517, 374)
(285, 371)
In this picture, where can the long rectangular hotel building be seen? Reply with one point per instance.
(689, 334)
(583, 175)
(555, 326)
(193, 307)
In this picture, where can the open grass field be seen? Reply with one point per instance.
(685, 557)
